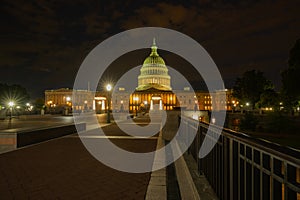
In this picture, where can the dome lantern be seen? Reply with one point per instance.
(154, 49)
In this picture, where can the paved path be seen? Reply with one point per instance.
(35, 121)
(38, 121)
(63, 169)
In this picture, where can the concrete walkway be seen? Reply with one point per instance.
(30, 121)
(63, 169)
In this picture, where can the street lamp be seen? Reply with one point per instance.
(136, 101)
(108, 89)
(10, 105)
(122, 106)
(196, 106)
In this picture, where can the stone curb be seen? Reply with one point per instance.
(157, 188)
(188, 190)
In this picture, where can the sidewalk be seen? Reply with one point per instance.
(63, 169)
(33, 121)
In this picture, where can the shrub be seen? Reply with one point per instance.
(276, 122)
(248, 122)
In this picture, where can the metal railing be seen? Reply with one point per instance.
(242, 167)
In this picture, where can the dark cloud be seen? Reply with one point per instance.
(237, 34)
(50, 39)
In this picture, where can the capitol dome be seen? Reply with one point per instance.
(154, 72)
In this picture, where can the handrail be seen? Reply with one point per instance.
(243, 167)
(293, 155)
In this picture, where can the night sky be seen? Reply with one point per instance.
(44, 42)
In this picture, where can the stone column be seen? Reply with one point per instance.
(103, 105)
(160, 105)
(151, 105)
(94, 105)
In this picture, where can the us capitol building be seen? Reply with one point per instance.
(154, 92)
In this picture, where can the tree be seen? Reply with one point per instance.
(15, 93)
(249, 122)
(276, 122)
(250, 86)
(39, 103)
(294, 59)
(269, 98)
(290, 79)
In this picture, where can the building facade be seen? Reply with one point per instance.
(154, 92)
(58, 100)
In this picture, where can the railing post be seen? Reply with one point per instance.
(242, 168)
(225, 170)
(230, 169)
(199, 142)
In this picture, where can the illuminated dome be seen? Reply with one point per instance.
(154, 72)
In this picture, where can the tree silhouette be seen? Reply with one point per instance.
(290, 79)
(269, 98)
(250, 86)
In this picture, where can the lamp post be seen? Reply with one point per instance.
(146, 106)
(196, 106)
(10, 105)
(234, 105)
(68, 105)
(108, 89)
(122, 106)
(248, 105)
(85, 106)
(99, 105)
(136, 102)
